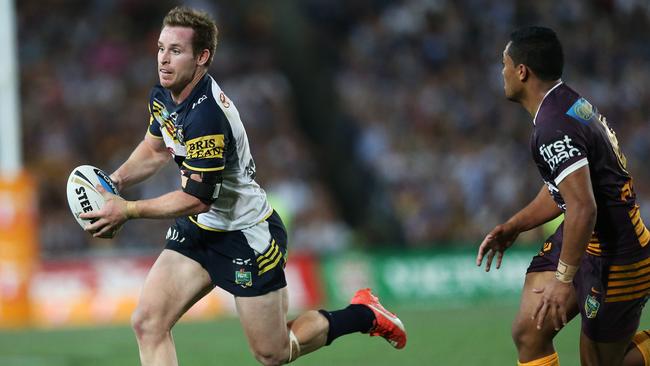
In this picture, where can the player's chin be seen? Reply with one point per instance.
(511, 96)
(165, 82)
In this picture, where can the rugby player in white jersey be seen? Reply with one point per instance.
(226, 234)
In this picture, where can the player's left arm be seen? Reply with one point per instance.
(579, 218)
(579, 222)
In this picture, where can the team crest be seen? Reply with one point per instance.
(243, 278)
(179, 134)
(591, 306)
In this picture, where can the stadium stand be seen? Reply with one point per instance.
(419, 81)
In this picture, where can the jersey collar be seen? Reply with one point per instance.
(546, 95)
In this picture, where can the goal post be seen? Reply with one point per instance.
(18, 208)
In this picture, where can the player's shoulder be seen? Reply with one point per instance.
(210, 102)
(159, 96)
(201, 100)
(219, 97)
(203, 113)
(561, 108)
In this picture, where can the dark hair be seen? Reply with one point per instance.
(539, 49)
(205, 29)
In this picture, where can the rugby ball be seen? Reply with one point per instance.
(82, 194)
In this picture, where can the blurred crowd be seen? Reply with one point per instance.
(421, 79)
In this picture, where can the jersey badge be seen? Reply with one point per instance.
(244, 278)
(591, 306)
(582, 111)
(224, 100)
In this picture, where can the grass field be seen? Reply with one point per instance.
(477, 335)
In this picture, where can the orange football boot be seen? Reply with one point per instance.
(386, 324)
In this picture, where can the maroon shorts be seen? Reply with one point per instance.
(611, 292)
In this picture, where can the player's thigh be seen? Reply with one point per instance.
(523, 323)
(174, 283)
(264, 320)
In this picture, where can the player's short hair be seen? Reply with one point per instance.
(205, 29)
(539, 49)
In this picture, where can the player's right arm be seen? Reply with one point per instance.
(147, 158)
(539, 211)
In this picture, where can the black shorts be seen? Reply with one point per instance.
(230, 257)
(611, 292)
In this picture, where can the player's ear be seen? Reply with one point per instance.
(203, 57)
(522, 72)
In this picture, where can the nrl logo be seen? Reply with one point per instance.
(243, 278)
(591, 306)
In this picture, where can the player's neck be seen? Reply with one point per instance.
(179, 97)
(536, 94)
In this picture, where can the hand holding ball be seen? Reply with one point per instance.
(88, 190)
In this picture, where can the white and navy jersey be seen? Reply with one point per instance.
(205, 134)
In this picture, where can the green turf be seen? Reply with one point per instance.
(477, 335)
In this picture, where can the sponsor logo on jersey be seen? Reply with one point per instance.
(243, 262)
(582, 111)
(202, 98)
(558, 151)
(175, 235)
(545, 249)
(205, 147)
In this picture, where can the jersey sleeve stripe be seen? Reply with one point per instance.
(203, 169)
(570, 169)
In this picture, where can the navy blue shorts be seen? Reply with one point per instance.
(230, 257)
(611, 292)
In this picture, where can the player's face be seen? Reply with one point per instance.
(511, 83)
(176, 61)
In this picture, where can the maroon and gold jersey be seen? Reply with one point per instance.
(568, 134)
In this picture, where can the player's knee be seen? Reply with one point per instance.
(523, 334)
(272, 359)
(147, 324)
(267, 356)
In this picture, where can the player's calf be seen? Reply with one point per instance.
(638, 353)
